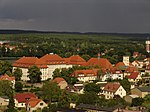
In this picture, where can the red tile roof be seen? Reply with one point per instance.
(75, 60)
(131, 69)
(6, 77)
(53, 59)
(133, 75)
(84, 73)
(23, 97)
(121, 64)
(112, 87)
(102, 62)
(27, 62)
(58, 80)
(33, 102)
(115, 70)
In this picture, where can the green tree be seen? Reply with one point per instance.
(88, 98)
(7, 90)
(5, 67)
(92, 87)
(51, 92)
(18, 86)
(18, 74)
(137, 101)
(34, 74)
(146, 101)
(125, 84)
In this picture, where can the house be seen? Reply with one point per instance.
(141, 91)
(20, 99)
(147, 69)
(116, 73)
(75, 60)
(129, 98)
(34, 104)
(138, 64)
(61, 82)
(6, 77)
(54, 61)
(4, 101)
(112, 89)
(130, 70)
(25, 63)
(85, 75)
(79, 88)
(134, 77)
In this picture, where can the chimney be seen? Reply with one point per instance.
(98, 56)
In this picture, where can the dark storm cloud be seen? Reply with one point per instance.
(76, 15)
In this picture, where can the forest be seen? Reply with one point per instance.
(64, 44)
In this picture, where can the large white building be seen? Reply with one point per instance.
(47, 64)
(25, 63)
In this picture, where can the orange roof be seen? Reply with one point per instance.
(102, 62)
(23, 97)
(115, 70)
(58, 80)
(53, 59)
(112, 87)
(33, 102)
(120, 64)
(75, 60)
(131, 69)
(27, 62)
(84, 73)
(6, 77)
(133, 75)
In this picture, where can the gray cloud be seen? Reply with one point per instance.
(76, 15)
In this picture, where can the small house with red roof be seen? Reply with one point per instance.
(54, 61)
(130, 70)
(25, 63)
(116, 73)
(85, 75)
(134, 77)
(34, 104)
(112, 89)
(61, 82)
(20, 99)
(6, 77)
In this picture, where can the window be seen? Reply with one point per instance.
(41, 104)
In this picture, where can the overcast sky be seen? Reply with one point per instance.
(131, 16)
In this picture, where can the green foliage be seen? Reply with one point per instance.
(137, 101)
(64, 100)
(92, 87)
(18, 86)
(88, 98)
(18, 74)
(146, 102)
(51, 92)
(34, 74)
(66, 45)
(125, 84)
(7, 90)
(5, 67)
